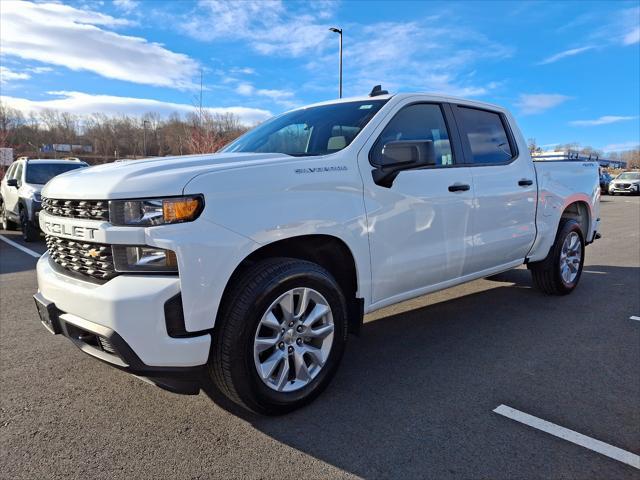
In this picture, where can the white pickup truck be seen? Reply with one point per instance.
(249, 267)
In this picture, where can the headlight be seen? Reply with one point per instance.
(155, 211)
(37, 197)
(143, 259)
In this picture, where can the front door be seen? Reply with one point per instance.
(419, 227)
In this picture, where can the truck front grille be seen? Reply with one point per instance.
(88, 209)
(83, 258)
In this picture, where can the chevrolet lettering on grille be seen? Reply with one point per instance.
(54, 228)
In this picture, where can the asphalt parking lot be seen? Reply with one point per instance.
(414, 397)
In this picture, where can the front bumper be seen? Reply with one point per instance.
(617, 188)
(129, 312)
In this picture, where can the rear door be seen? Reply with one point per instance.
(503, 226)
(418, 228)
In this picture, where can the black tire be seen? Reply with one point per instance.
(5, 223)
(30, 232)
(231, 362)
(547, 273)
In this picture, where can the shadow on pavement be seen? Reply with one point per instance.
(414, 393)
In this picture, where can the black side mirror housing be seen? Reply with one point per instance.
(403, 155)
(12, 182)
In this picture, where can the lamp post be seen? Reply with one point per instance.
(339, 31)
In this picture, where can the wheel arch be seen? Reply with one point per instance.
(579, 211)
(328, 251)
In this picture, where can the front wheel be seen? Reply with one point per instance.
(280, 336)
(5, 223)
(30, 232)
(560, 272)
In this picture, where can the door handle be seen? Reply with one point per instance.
(525, 182)
(459, 187)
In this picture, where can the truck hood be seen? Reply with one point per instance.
(153, 177)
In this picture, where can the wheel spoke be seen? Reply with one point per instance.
(286, 303)
(302, 372)
(303, 303)
(317, 313)
(265, 343)
(283, 376)
(565, 272)
(320, 332)
(316, 354)
(271, 364)
(271, 321)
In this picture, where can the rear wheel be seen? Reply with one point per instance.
(280, 337)
(30, 232)
(560, 272)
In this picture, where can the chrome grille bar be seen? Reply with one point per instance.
(86, 258)
(88, 209)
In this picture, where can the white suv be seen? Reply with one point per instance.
(20, 189)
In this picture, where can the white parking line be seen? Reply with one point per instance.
(570, 436)
(633, 317)
(20, 247)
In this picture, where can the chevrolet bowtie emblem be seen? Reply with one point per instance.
(93, 253)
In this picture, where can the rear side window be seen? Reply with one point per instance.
(486, 134)
(423, 121)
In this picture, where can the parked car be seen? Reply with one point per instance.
(252, 265)
(20, 201)
(605, 180)
(626, 182)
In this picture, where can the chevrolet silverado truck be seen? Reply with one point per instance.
(249, 267)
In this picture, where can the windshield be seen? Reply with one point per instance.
(309, 131)
(629, 176)
(43, 172)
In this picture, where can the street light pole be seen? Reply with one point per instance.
(339, 31)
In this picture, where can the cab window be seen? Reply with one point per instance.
(423, 121)
(486, 136)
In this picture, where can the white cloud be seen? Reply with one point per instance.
(281, 97)
(619, 147)
(412, 56)
(86, 104)
(566, 53)
(266, 25)
(245, 89)
(632, 37)
(7, 75)
(532, 103)
(243, 70)
(604, 120)
(127, 6)
(620, 29)
(62, 35)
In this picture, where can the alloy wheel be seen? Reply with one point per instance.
(570, 258)
(293, 339)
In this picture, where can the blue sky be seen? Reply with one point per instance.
(570, 71)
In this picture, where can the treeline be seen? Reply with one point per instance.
(117, 137)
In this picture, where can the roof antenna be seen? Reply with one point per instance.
(377, 90)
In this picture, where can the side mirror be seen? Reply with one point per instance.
(12, 182)
(402, 155)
